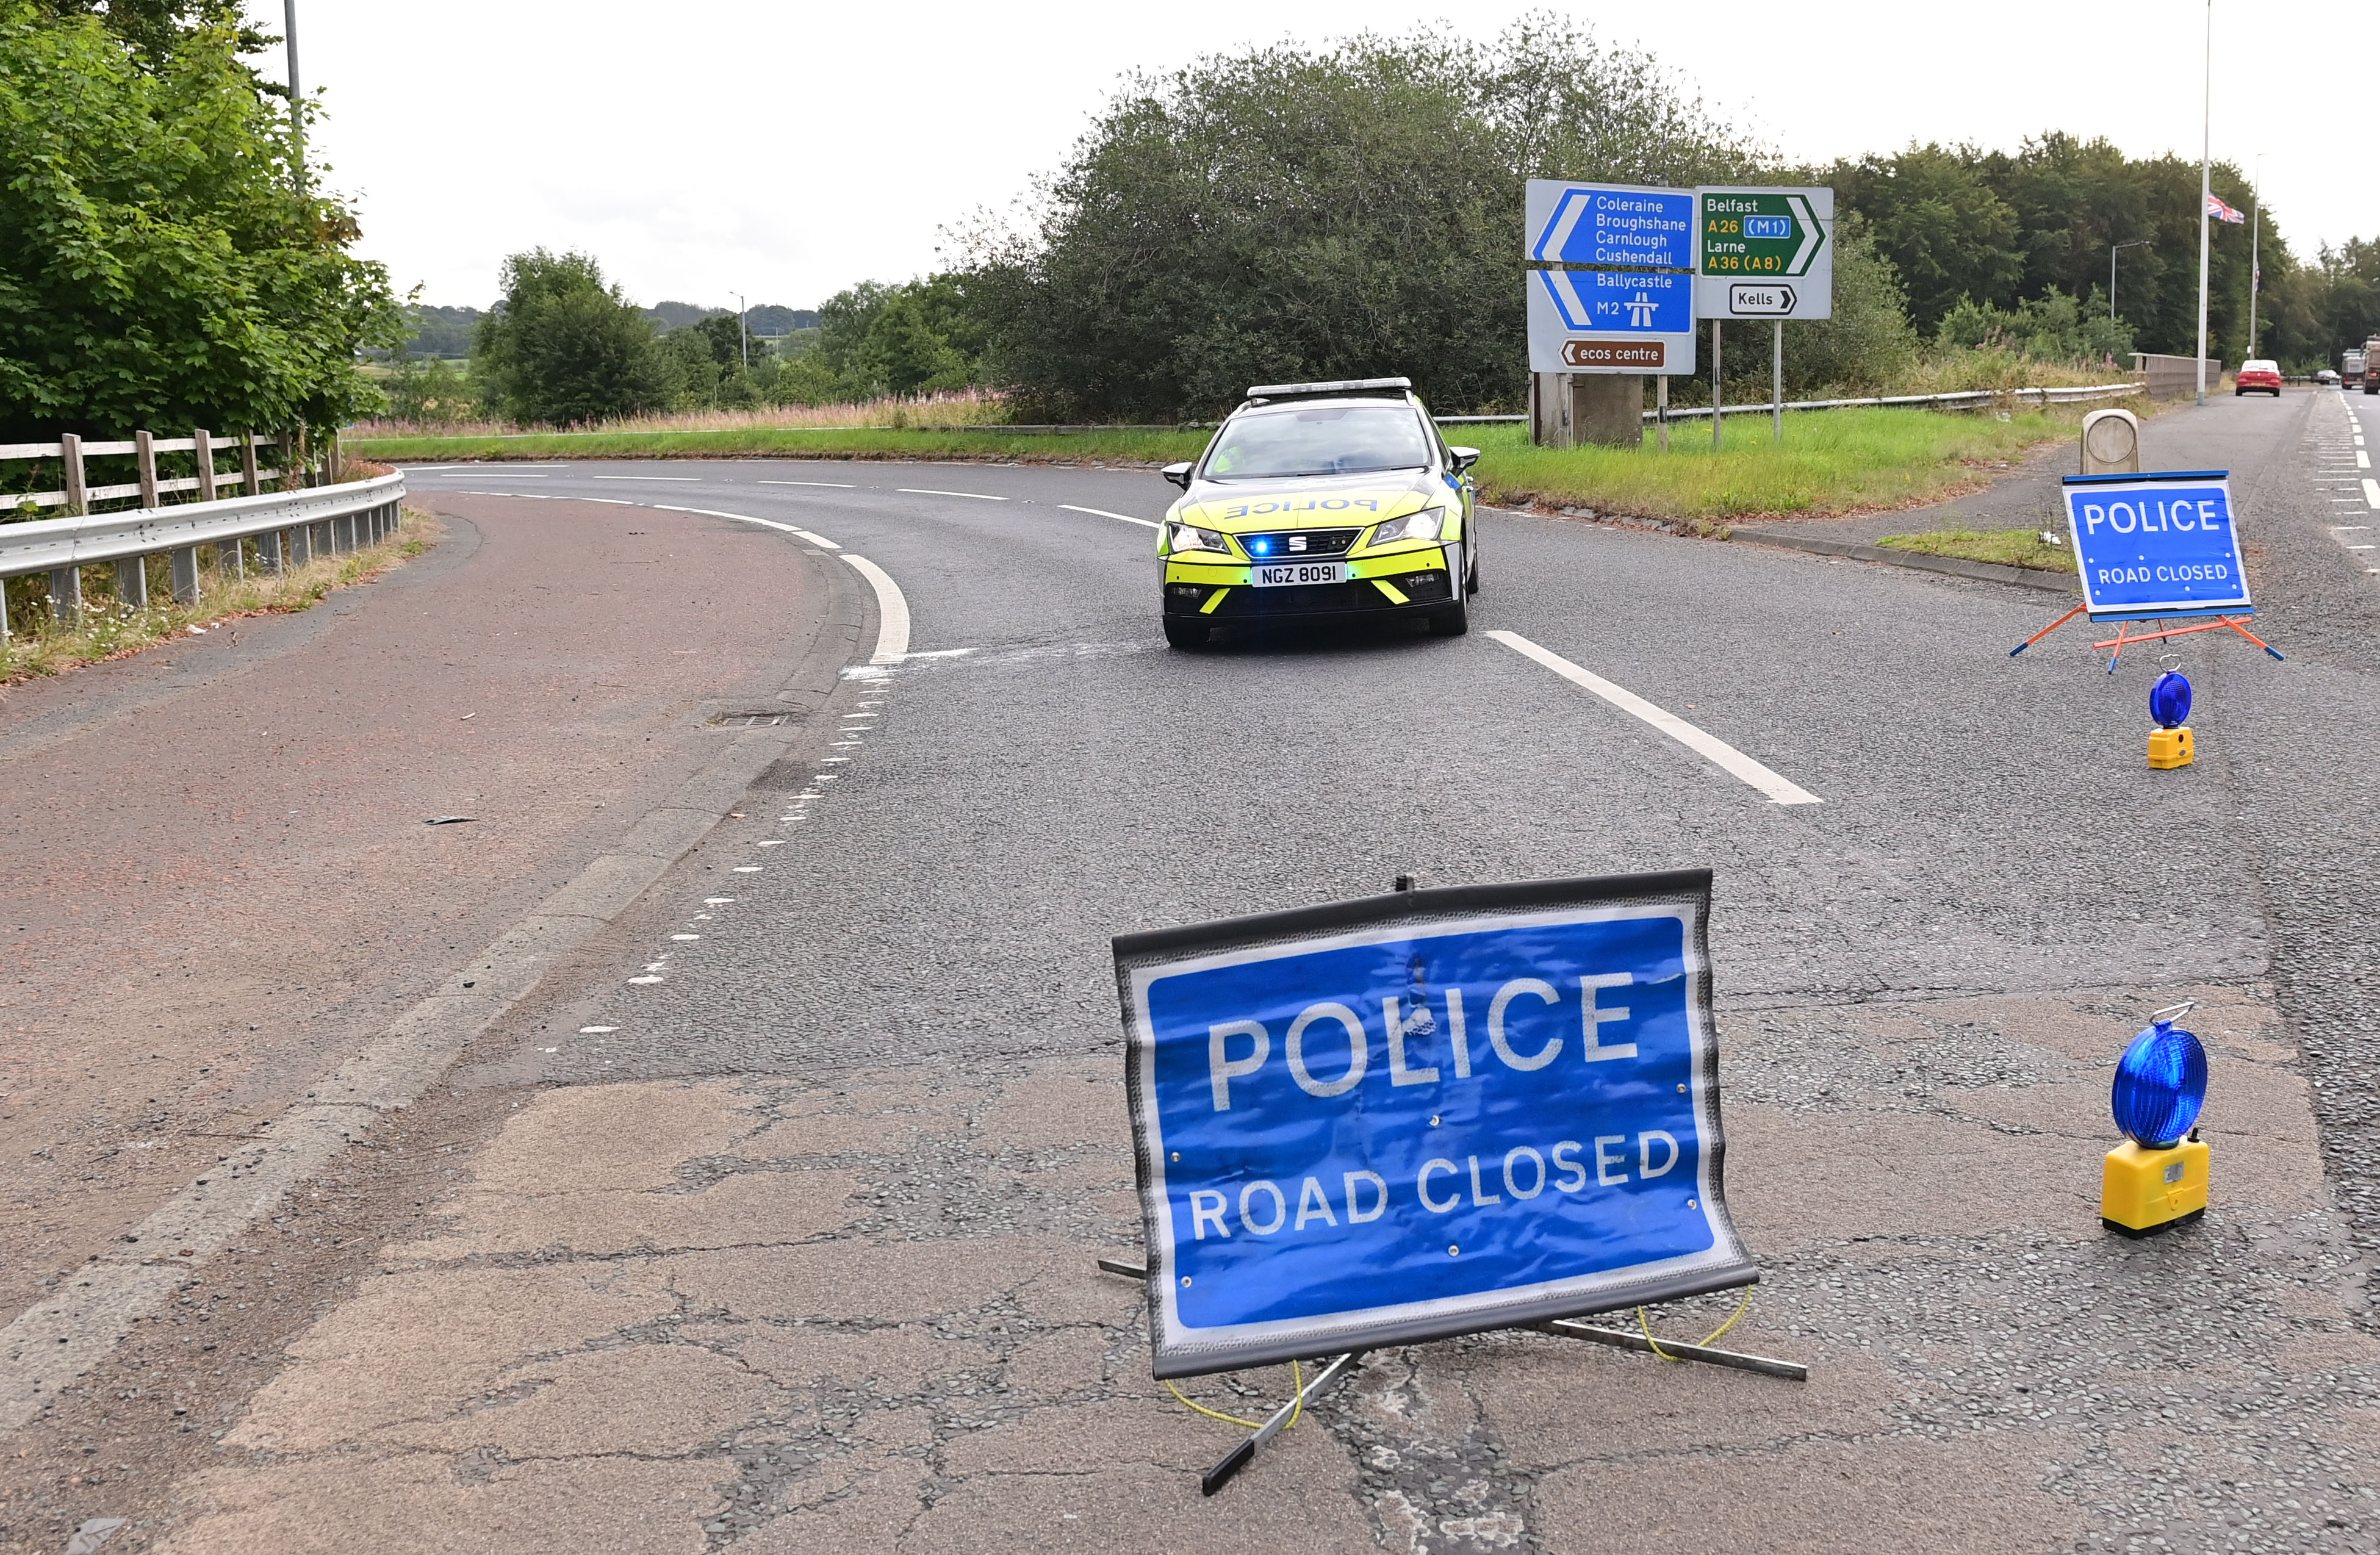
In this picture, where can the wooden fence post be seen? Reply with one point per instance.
(248, 478)
(145, 450)
(204, 448)
(70, 447)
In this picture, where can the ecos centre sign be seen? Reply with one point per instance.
(1431, 1113)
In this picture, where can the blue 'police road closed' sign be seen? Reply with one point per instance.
(1425, 1114)
(2160, 544)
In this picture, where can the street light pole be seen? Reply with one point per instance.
(296, 93)
(2206, 191)
(2255, 255)
(743, 331)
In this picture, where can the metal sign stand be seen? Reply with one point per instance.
(1336, 1369)
(2124, 636)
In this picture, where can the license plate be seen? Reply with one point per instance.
(1282, 575)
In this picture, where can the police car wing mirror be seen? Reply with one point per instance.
(1179, 474)
(1464, 459)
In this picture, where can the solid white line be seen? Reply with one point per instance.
(892, 630)
(1716, 751)
(795, 530)
(926, 491)
(644, 478)
(1103, 513)
(839, 485)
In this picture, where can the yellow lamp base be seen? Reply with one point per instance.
(2169, 748)
(2143, 1192)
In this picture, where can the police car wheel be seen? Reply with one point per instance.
(1471, 575)
(1185, 634)
(1452, 622)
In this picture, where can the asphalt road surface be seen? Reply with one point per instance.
(766, 1220)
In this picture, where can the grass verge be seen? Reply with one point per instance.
(2009, 548)
(1115, 446)
(1829, 463)
(112, 629)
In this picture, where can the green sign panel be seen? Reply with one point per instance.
(1763, 253)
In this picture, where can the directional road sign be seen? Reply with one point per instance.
(1609, 224)
(1610, 320)
(1765, 253)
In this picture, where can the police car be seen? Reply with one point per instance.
(1321, 502)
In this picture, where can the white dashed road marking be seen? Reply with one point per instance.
(838, 485)
(928, 492)
(1710, 747)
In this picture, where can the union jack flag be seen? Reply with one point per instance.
(2222, 213)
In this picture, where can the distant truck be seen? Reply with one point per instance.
(2350, 369)
(2370, 379)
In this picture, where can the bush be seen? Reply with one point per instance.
(564, 346)
(1286, 215)
(2047, 328)
(165, 260)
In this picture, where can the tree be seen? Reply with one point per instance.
(160, 265)
(1948, 234)
(1285, 214)
(918, 337)
(562, 346)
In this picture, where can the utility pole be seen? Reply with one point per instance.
(2205, 192)
(743, 331)
(2113, 250)
(296, 93)
(2255, 254)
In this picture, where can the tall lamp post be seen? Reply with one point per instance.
(2205, 189)
(2256, 257)
(743, 331)
(296, 93)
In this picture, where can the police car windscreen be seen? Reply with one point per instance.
(1326, 439)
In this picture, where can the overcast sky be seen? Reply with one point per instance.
(786, 151)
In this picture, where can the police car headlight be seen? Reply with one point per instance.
(1190, 537)
(1426, 525)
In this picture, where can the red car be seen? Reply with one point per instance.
(2264, 377)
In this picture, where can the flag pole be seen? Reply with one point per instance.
(2205, 189)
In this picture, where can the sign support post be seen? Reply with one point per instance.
(1661, 411)
(1777, 385)
(1719, 395)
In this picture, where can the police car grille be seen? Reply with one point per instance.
(1279, 546)
(1300, 598)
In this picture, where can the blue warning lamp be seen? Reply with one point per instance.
(2160, 1085)
(2169, 701)
(2158, 1178)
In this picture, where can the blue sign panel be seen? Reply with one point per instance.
(1614, 302)
(1601, 223)
(1425, 1114)
(2160, 544)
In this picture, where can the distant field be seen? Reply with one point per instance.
(1829, 462)
(801, 443)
